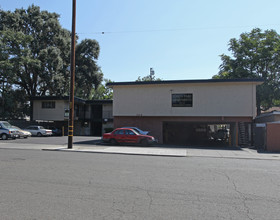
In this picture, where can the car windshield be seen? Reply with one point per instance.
(7, 125)
(41, 127)
(139, 131)
(136, 131)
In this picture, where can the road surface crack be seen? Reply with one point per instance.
(241, 195)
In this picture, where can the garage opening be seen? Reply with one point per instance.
(196, 134)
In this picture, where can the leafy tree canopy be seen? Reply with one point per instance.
(255, 55)
(12, 103)
(102, 91)
(88, 74)
(35, 51)
(35, 56)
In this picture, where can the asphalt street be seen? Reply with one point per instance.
(57, 185)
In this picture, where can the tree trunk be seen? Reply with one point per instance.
(31, 110)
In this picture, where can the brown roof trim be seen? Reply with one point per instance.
(100, 101)
(257, 80)
(78, 100)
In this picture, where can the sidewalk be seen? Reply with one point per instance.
(159, 150)
(173, 151)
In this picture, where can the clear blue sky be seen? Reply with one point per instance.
(180, 39)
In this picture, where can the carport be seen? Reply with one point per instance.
(193, 131)
(198, 133)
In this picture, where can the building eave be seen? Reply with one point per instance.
(257, 81)
(50, 98)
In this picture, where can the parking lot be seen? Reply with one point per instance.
(55, 140)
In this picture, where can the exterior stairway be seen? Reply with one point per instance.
(243, 134)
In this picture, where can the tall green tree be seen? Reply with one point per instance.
(88, 74)
(35, 55)
(255, 55)
(37, 51)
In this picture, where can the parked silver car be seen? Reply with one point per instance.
(38, 130)
(7, 131)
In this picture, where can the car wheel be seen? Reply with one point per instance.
(113, 141)
(39, 134)
(144, 142)
(4, 137)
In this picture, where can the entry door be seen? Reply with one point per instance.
(96, 128)
(96, 118)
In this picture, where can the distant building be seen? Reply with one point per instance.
(91, 117)
(273, 116)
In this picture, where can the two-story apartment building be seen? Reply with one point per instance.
(188, 111)
(91, 117)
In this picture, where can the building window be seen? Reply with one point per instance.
(48, 104)
(182, 100)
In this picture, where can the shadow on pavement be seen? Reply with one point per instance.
(261, 151)
(202, 147)
(212, 147)
(89, 142)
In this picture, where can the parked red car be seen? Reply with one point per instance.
(128, 135)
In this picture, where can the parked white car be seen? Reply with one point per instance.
(22, 133)
(39, 131)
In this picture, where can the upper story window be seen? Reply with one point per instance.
(48, 104)
(182, 100)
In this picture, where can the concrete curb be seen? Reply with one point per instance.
(120, 153)
(216, 154)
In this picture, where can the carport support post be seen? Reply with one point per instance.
(72, 83)
(234, 134)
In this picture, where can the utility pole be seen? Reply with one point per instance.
(72, 83)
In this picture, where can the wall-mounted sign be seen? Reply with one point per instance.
(66, 113)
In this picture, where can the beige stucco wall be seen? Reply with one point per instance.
(49, 114)
(209, 99)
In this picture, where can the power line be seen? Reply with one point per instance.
(176, 29)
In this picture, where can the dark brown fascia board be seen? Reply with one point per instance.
(78, 100)
(100, 101)
(48, 98)
(257, 80)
